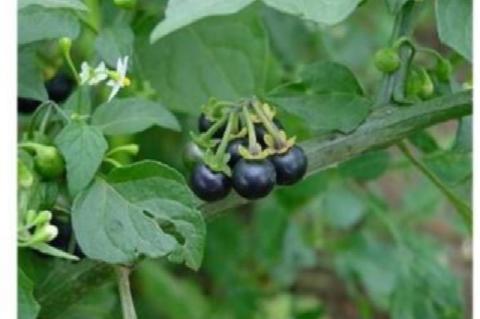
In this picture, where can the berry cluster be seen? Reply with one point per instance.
(242, 146)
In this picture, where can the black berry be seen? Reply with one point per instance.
(59, 87)
(261, 131)
(204, 125)
(209, 185)
(27, 105)
(290, 166)
(232, 149)
(253, 179)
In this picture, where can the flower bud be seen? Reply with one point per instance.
(43, 217)
(65, 44)
(49, 162)
(43, 234)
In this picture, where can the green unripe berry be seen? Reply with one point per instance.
(49, 162)
(387, 60)
(414, 84)
(443, 70)
(427, 88)
(125, 4)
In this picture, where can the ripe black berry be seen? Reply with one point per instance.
(261, 131)
(290, 166)
(204, 124)
(253, 179)
(232, 149)
(209, 185)
(59, 87)
(27, 105)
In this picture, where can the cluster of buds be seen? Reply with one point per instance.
(35, 228)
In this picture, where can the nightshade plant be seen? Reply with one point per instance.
(137, 119)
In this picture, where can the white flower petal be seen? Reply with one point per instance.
(114, 92)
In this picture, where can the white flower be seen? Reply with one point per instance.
(118, 78)
(91, 76)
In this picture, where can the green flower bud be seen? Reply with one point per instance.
(30, 216)
(65, 44)
(44, 234)
(49, 162)
(387, 60)
(443, 70)
(25, 176)
(43, 217)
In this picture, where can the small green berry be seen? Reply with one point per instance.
(387, 60)
(49, 162)
(443, 70)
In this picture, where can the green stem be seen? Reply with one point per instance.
(123, 281)
(43, 124)
(269, 125)
(461, 207)
(112, 162)
(252, 137)
(215, 127)
(226, 136)
(71, 65)
(401, 28)
(131, 149)
(35, 115)
(32, 146)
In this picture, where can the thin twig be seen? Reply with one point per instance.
(461, 207)
(123, 280)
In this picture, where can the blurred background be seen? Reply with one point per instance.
(371, 238)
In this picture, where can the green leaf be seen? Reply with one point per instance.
(28, 307)
(183, 296)
(52, 251)
(68, 4)
(36, 23)
(367, 166)
(67, 284)
(180, 13)
(114, 42)
(131, 115)
(395, 5)
(323, 77)
(454, 24)
(227, 55)
(30, 80)
(79, 102)
(321, 11)
(342, 208)
(141, 209)
(83, 147)
(330, 112)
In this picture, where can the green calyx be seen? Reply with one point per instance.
(387, 60)
(276, 148)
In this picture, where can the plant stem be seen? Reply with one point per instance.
(252, 137)
(461, 207)
(123, 281)
(215, 127)
(112, 162)
(271, 128)
(226, 135)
